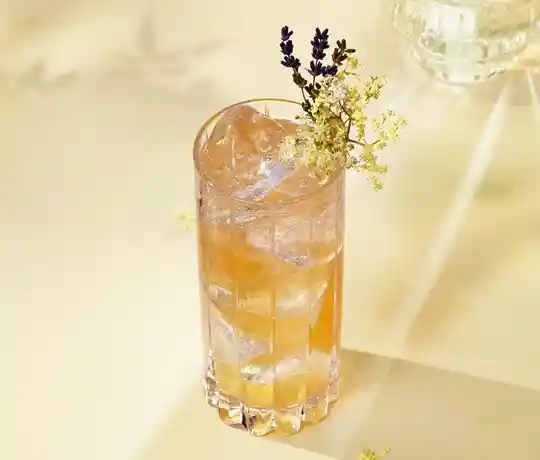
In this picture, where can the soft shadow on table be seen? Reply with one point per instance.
(424, 413)
(146, 56)
(420, 412)
(149, 56)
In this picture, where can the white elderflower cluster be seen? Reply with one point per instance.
(336, 132)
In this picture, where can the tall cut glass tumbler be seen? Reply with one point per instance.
(270, 241)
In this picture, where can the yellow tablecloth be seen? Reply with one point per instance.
(99, 103)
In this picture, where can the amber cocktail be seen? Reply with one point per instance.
(270, 238)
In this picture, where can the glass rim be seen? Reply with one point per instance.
(258, 204)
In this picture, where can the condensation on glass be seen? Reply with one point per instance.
(466, 41)
(271, 262)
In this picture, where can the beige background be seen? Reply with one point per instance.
(99, 103)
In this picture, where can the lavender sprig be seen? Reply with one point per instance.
(319, 45)
(292, 62)
(341, 52)
(317, 69)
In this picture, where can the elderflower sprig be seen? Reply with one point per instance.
(368, 454)
(187, 221)
(335, 131)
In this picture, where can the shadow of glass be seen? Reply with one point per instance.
(362, 376)
(419, 412)
(424, 413)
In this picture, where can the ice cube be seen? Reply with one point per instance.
(241, 163)
(241, 141)
(229, 347)
(291, 298)
(219, 210)
(316, 362)
(265, 375)
(299, 240)
(300, 182)
(306, 234)
(271, 175)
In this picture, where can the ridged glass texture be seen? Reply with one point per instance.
(271, 299)
(466, 41)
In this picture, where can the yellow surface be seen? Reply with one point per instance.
(99, 104)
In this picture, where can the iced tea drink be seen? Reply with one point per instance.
(270, 239)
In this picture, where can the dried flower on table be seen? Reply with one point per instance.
(368, 454)
(187, 220)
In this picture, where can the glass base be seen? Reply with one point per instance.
(465, 42)
(258, 421)
(459, 72)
